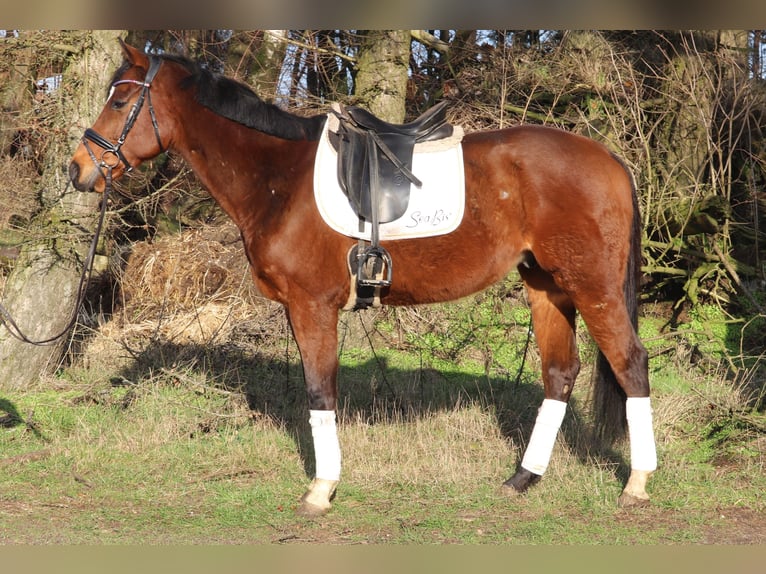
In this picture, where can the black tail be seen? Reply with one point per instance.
(608, 401)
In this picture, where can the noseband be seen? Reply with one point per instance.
(114, 148)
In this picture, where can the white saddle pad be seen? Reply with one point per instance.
(436, 208)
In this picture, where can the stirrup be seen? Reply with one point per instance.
(371, 265)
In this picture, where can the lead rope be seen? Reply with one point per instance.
(7, 320)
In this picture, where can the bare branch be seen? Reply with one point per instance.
(428, 39)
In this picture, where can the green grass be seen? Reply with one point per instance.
(166, 470)
(175, 451)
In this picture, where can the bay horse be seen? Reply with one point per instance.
(557, 206)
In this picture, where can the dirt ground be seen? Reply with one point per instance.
(24, 523)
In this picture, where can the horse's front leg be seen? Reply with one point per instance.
(315, 328)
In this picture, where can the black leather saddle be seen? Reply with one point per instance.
(375, 152)
(431, 125)
(375, 172)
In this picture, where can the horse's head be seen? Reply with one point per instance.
(127, 131)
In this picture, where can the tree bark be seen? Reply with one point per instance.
(41, 290)
(381, 79)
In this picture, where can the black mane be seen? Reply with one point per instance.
(237, 102)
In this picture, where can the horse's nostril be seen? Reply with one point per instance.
(74, 172)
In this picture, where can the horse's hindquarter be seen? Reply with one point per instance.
(561, 197)
(578, 207)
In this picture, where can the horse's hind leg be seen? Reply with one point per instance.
(611, 328)
(553, 317)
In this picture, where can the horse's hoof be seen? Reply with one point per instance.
(509, 490)
(311, 511)
(316, 501)
(628, 500)
(519, 483)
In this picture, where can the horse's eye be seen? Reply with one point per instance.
(118, 104)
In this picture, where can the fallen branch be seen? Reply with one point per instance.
(735, 277)
(686, 251)
(752, 422)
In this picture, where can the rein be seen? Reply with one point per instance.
(105, 168)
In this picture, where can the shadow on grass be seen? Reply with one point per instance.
(9, 415)
(371, 391)
(10, 418)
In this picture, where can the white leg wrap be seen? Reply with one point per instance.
(643, 453)
(540, 447)
(326, 445)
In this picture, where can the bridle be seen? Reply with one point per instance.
(114, 149)
(105, 167)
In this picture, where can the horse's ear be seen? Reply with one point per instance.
(133, 55)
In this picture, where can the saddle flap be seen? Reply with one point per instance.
(356, 179)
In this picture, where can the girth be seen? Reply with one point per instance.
(375, 173)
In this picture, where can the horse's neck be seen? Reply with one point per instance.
(236, 169)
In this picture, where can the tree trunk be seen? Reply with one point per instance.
(41, 291)
(268, 58)
(381, 79)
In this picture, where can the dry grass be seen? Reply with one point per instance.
(180, 273)
(190, 289)
(455, 447)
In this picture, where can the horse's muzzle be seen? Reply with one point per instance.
(76, 177)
